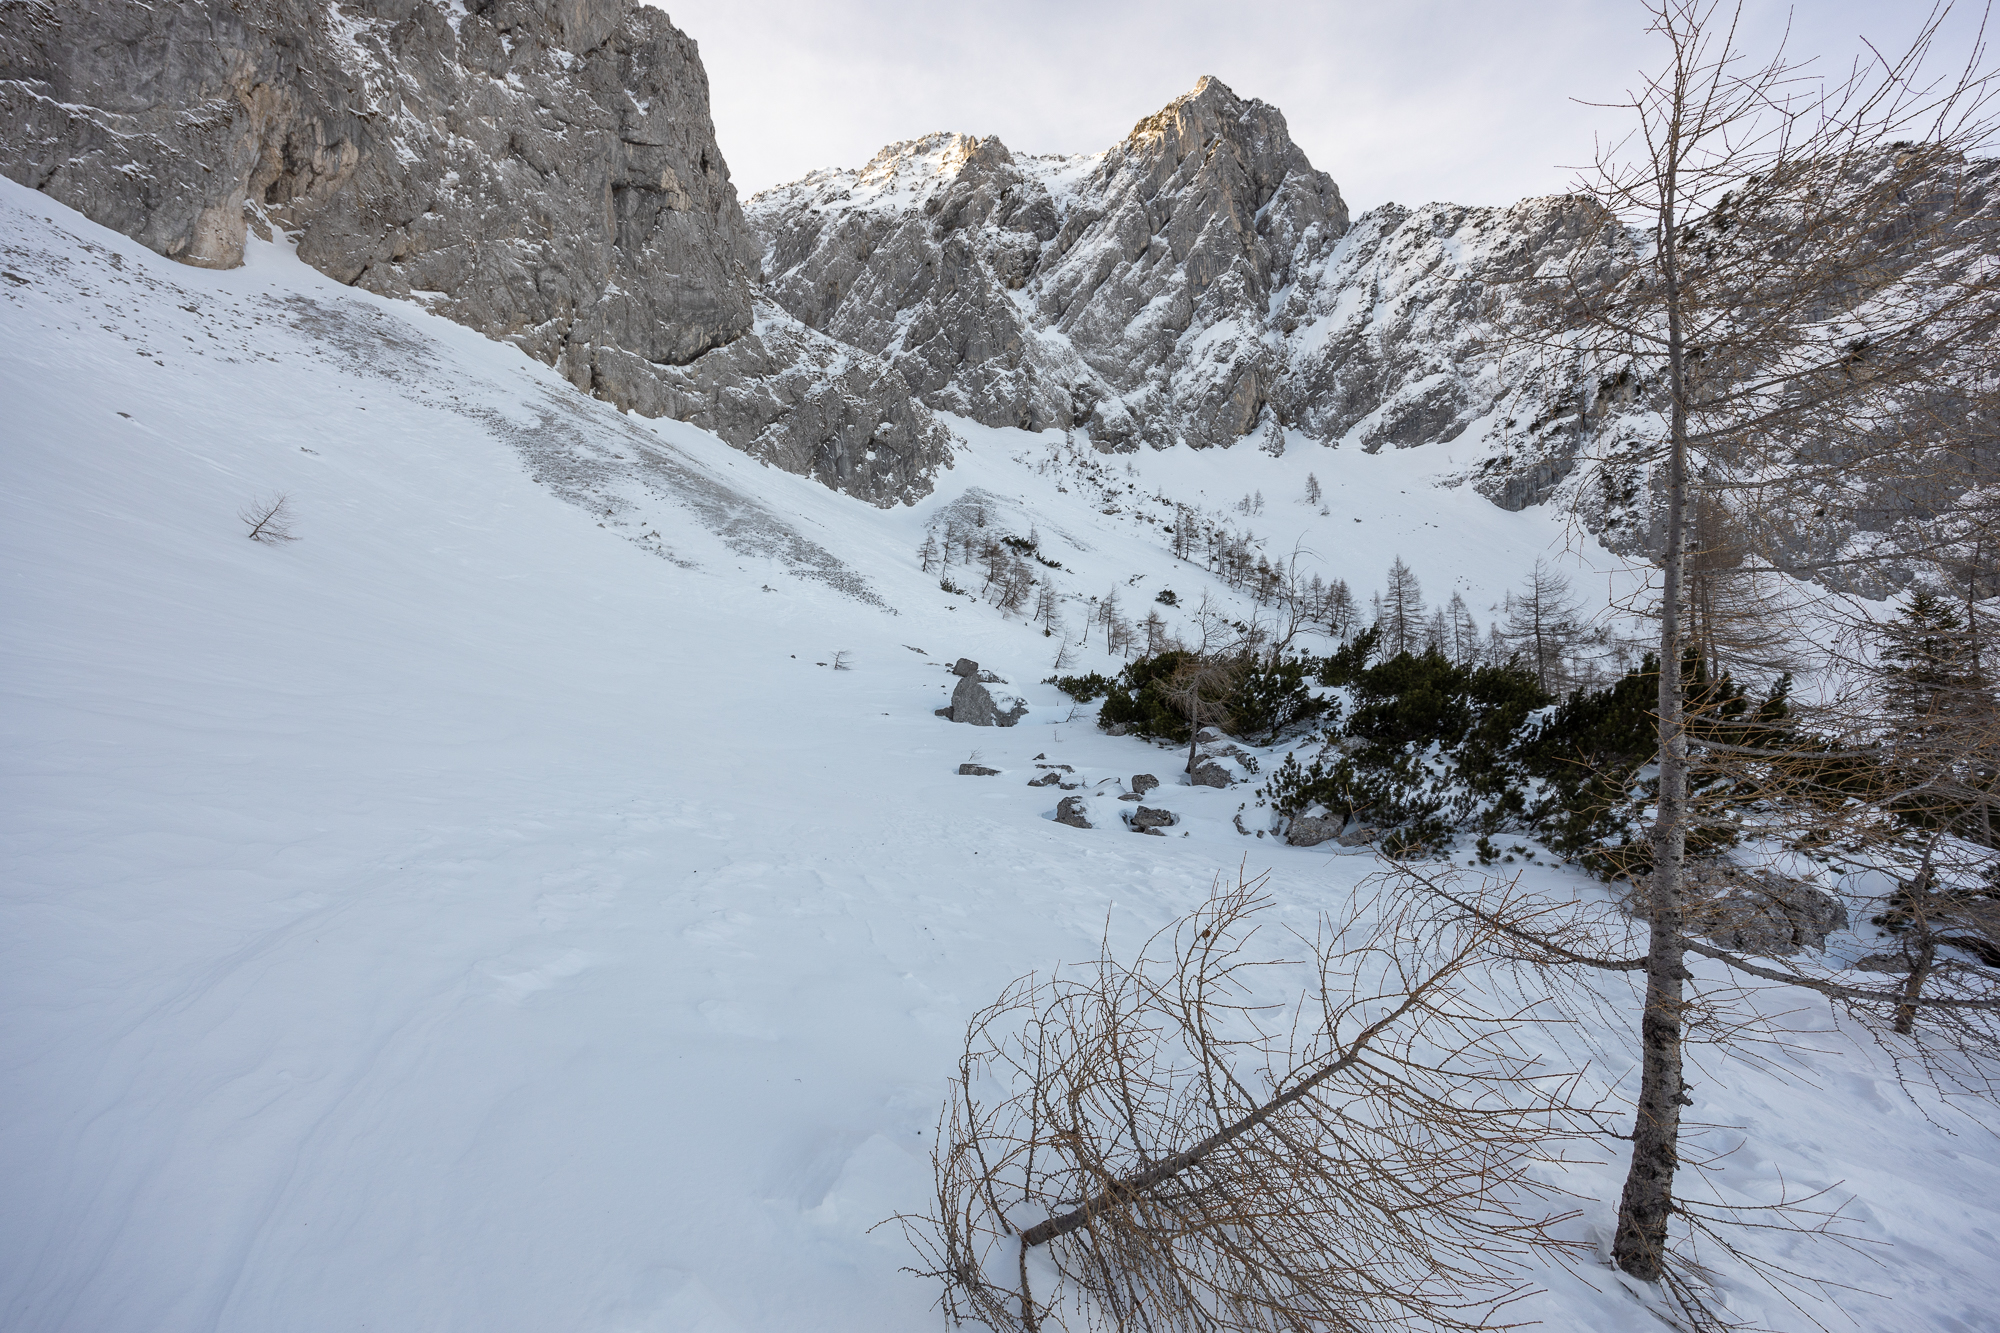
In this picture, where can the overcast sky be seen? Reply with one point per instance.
(1404, 100)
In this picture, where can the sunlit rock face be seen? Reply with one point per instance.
(1126, 292)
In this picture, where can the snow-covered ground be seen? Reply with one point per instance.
(492, 910)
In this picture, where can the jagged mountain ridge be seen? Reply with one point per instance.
(1195, 283)
(1121, 292)
(547, 172)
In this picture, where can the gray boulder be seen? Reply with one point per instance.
(1143, 783)
(1211, 773)
(1312, 830)
(965, 666)
(1072, 811)
(977, 771)
(1748, 911)
(1148, 820)
(972, 703)
(1046, 780)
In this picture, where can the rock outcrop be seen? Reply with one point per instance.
(544, 171)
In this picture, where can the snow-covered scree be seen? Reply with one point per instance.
(493, 909)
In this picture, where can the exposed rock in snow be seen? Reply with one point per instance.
(1146, 819)
(1750, 911)
(974, 704)
(1311, 830)
(977, 771)
(1211, 773)
(1072, 810)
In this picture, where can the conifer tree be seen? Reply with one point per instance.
(1402, 611)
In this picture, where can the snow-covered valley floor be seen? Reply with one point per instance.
(492, 910)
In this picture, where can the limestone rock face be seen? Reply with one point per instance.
(797, 400)
(543, 171)
(1123, 291)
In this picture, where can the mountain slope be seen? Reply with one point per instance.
(482, 912)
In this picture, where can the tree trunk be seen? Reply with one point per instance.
(1648, 1199)
(1925, 956)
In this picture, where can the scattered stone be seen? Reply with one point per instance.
(1064, 768)
(1143, 783)
(1209, 773)
(1130, 796)
(1045, 780)
(990, 678)
(1312, 830)
(1749, 911)
(1072, 811)
(977, 771)
(965, 666)
(1146, 817)
(1882, 962)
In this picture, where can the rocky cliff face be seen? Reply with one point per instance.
(542, 170)
(1125, 292)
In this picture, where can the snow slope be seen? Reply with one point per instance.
(488, 912)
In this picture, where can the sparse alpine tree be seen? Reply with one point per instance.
(1402, 611)
(1542, 625)
(1340, 610)
(1313, 493)
(1047, 609)
(1780, 268)
(1463, 634)
(269, 520)
(1437, 633)
(927, 554)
